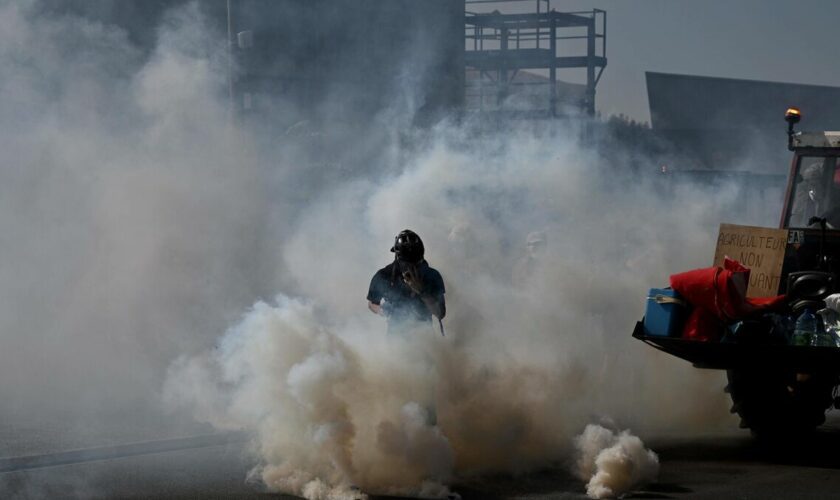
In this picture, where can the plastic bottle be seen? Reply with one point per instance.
(823, 339)
(806, 328)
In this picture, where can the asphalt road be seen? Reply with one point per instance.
(730, 465)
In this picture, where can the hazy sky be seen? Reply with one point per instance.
(776, 40)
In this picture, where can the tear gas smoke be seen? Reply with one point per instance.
(130, 220)
(522, 366)
(138, 224)
(328, 411)
(613, 463)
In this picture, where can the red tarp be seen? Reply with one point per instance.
(718, 296)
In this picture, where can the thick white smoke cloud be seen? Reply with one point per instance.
(523, 365)
(130, 214)
(138, 223)
(612, 463)
(328, 411)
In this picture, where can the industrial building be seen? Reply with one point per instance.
(293, 59)
(346, 59)
(731, 124)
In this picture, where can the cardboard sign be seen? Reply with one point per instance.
(759, 248)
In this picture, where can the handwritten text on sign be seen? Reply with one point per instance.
(759, 248)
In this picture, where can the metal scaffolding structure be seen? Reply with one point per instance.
(499, 46)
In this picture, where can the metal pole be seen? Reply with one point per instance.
(503, 74)
(552, 69)
(604, 41)
(590, 67)
(230, 60)
(476, 35)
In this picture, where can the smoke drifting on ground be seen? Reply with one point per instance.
(138, 225)
(611, 463)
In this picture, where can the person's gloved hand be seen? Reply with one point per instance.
(412, 279)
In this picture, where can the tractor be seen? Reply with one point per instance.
(780, 389)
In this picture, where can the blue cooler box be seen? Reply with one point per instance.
(665, 314)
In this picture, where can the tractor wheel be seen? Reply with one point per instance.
(777, 403)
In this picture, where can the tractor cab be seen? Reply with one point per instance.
(813, 191)
(811, 211)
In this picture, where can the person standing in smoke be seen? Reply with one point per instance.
(528, 266)
(407, 291)
(808, 196)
